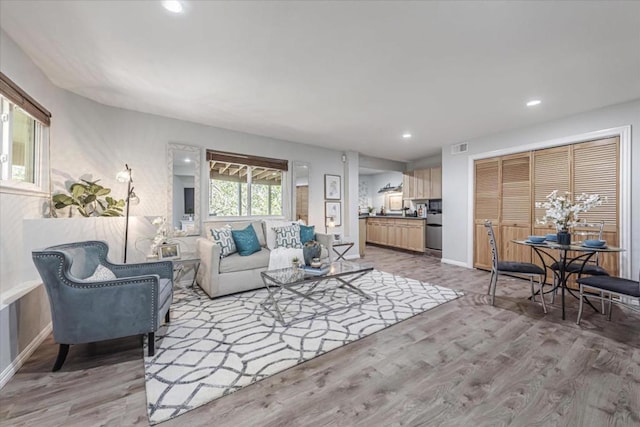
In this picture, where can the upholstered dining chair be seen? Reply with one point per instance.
(608, 287)
(582, 231)
(93, 299)
(512, 267)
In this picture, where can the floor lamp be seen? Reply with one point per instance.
(330, 224)
(132, 198)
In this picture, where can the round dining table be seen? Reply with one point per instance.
(560, 255)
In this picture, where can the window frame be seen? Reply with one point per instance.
(13, 97)
(250, 162)
(40, 153)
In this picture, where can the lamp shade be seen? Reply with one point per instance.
(124, 175)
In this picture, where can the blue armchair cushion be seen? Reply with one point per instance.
(246, 241)
(288, 236)
(223, 238)
(307, 233)
(101, 274)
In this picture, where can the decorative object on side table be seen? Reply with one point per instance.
(169, 251)
(311, 250)
(564, 213)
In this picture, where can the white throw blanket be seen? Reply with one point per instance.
(282, 257)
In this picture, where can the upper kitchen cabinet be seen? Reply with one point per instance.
(423, 184)
(409, 185)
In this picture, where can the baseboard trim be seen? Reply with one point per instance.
(454, 262)
(17, 363)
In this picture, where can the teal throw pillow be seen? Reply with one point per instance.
(307, 232)
(246, 241)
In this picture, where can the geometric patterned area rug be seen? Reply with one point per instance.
(212, 348)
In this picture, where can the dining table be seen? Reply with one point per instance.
(560, 255)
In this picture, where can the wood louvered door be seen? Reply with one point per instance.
(596, 170)
(486, 207)
(507, 188)
(551, 171)
(515, 218)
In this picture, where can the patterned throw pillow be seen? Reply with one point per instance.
(223, 238)
(101, 274)
(246, 241)
(307, 233)
(288, 237)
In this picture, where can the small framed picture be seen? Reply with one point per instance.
(169, 251)
(332, 187)
(333, 210)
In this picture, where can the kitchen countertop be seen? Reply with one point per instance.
(393, 217)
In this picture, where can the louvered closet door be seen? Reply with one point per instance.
(515, 221)
(595, 170)
(551, 171)
(486, 206)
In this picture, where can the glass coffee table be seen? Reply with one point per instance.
(303, 296)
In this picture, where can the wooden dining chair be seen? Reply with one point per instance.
(624, 290)
(512, 267)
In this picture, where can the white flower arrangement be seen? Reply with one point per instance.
(563, 212)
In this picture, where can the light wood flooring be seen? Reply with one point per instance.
(464, 363)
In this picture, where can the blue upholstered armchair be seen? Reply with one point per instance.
(93, 299)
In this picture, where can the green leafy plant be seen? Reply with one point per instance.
(89, 198)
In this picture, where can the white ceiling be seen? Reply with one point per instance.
(345, 75)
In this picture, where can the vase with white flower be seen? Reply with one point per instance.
(162, 233)
(564, 212)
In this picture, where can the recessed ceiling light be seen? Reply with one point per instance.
(173, 6)
(406, 135)
(187, 160)
(533, 103)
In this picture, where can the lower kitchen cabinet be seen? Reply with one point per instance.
(397, 232)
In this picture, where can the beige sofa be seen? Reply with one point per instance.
(235, 273)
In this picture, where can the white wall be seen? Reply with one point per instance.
(455, 171)
(425, 163)
(94, 141)
(380, 180)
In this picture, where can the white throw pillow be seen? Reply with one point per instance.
(223, 238)
(270, 232)
(101, 274)
(288, 237)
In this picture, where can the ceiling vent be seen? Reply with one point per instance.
(459, 148)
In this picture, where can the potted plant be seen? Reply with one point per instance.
(90, 199)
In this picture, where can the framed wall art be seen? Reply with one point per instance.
(333, 210)
(332, 187)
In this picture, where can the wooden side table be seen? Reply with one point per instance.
(344, 248)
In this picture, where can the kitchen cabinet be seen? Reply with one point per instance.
(422, 184)
(409, 185)
(436, 183)
(362, 235)
(397, 232)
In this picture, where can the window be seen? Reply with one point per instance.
(245, 185)
(23, 125)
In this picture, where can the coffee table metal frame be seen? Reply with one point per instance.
(303, 285)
